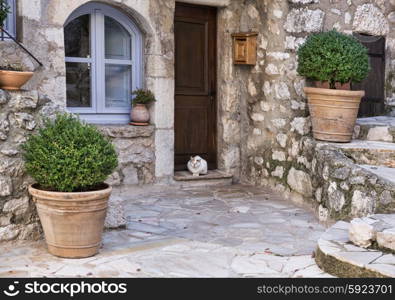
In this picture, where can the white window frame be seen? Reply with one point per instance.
(10, 22)
(98, 113)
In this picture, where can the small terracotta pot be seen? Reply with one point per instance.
(13, 80)
(73, 222)
(139, 114)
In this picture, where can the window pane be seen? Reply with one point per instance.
(78, 84)
(77, 37)
(118, 40)
(118, 80)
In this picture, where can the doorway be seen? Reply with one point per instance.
(195, 123)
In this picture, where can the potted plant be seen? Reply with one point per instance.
(12, 76)
(140, 114)
(333, 60)
(70, 160)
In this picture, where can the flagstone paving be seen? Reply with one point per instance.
(233, 231)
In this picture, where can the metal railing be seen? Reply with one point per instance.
(21, 46)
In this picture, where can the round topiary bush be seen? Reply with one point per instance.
(334, 57)
(68, 155)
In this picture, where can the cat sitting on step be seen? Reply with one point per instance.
(197, 166)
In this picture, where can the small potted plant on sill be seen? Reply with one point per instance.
(70, 160)
(333, 61)
(12, 76)
(139, 114)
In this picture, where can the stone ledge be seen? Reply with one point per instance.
(126, 131)
(336, 255)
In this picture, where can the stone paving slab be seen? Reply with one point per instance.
(232, 231)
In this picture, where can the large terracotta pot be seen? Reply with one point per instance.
(333, 113)
(73, 222)
(13, 80)
(140, 114)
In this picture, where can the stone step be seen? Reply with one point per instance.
(375, 129)
(213, 178)
(385, 173)
(370, 152)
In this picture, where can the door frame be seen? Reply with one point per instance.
(213, 84)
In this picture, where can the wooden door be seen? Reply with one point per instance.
(373, 102)
(195, 84)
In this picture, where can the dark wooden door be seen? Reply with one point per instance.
(195, 84)
(373, 102)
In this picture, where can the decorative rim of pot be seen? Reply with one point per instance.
(83, 196)
(17, 72)
(313, 90)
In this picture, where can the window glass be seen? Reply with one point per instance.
(118, 78)
(77, 37)
(78, 84)
(118, 41)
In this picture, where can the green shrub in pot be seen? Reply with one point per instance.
(68, 155)
(70, 160)
(333, 61)
(334, 57)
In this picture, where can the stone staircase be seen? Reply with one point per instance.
(374, 146)
(358, 178)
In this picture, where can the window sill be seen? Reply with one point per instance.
(126, 131)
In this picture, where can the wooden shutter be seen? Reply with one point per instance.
(373, 102)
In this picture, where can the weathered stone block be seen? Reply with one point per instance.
(304, 20)
(9, 233)
(17, 206)
(370, 20)
(5, 186)
(115, 214)
(130, 175)
(386, 238)
(300, 182)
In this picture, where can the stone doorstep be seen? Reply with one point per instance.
(375, 129)
(213, 178)
(369, 152)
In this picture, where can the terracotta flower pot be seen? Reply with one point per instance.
(140, 114)
(13, 80)
(73, 222)
(333, 113)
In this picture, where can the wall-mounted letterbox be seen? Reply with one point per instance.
(244, 48)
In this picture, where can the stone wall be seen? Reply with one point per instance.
(278, 118)
(21, 113)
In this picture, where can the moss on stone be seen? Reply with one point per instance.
(343, 269)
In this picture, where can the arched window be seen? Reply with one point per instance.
(103, 50)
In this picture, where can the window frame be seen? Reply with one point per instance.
(98, 113)
(10, 22)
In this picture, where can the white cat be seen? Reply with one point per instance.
(197, 166)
